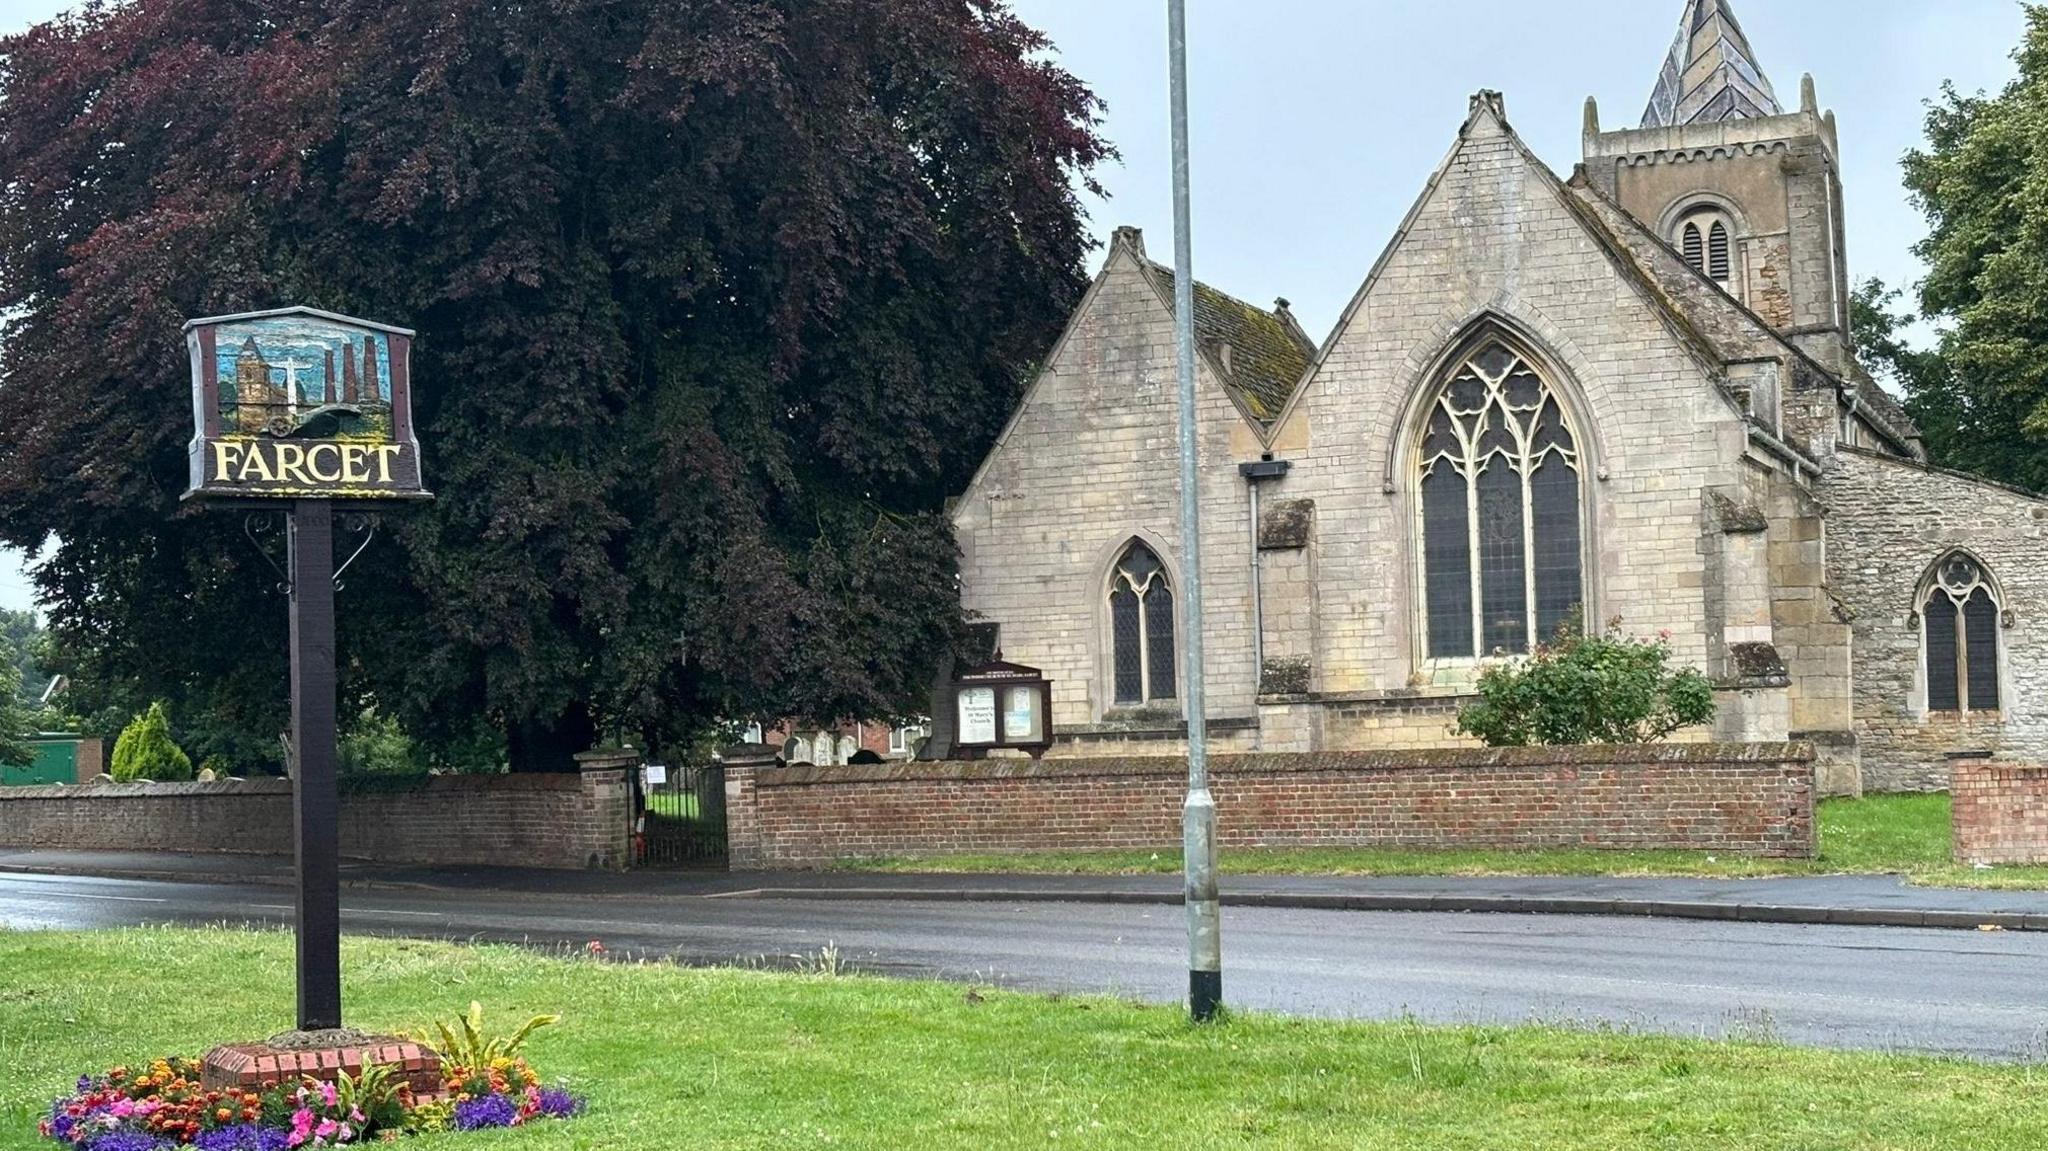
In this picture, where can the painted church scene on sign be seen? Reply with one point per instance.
(1622, 397)
(297, 401)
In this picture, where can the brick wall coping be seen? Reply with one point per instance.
(145, 789)
(270, 785)
(1702, 755)
(1989, 766)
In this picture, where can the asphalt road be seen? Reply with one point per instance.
(1865, 987)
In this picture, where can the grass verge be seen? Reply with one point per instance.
(676, 1058)
(1905, 835)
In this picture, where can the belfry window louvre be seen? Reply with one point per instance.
(1501, 510)
(1141, 628)
(1693, 245)
(1717, 252)
(1959, 635)
(1706, 241)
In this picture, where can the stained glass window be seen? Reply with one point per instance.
(1501, 496)
(1141, 628)
(1959, 632)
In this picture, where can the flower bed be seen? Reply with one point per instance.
(165, 1106)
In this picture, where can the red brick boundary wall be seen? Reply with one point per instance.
(2000, 812)
(563, 821)
(1750, 799)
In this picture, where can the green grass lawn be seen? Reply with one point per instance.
(672, 804)
(1882, 834)
(734, 1060)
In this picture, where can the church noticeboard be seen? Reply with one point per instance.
(1002, 705)
(302, 404)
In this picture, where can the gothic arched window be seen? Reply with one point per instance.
(1959, 634)
(1706, 240)
(1501, 533)
(1141, 627)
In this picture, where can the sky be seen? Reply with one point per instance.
(1314, 123)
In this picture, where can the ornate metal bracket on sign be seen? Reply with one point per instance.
(259, 526)
(354, 524)
(263, 526)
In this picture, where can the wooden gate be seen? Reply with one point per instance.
(682, 822)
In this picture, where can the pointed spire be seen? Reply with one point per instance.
(1711, 74)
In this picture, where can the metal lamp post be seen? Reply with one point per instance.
(1198, 814)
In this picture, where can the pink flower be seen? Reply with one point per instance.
(1663, 633)
(302, 1127)
(327, 1094)
(326, 1129)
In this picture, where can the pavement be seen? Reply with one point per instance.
(1847, 900)
(1972, 993)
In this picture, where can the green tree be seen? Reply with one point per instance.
(23, 635)
(1982, 180)
(17, 718)
(1588, 689)
(717, 300)
(1878, 332)
(146, 750)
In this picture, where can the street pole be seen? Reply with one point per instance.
(316, 807)
(1198, 814)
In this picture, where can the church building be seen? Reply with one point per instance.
(1622, 398)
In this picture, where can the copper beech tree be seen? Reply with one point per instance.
(717, 301)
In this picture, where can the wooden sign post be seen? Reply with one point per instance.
(306, 409)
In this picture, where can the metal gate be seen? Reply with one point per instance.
(682, 820)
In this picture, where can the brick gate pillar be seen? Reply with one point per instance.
(604, 817)
(743, 848)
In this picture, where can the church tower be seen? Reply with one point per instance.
(1748, 193)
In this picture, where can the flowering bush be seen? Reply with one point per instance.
(166, 1108)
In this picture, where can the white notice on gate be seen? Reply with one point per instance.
(978, 715)
(657, 774)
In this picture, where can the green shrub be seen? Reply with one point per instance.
(374, 744)
(1607, 689)
(145, 749)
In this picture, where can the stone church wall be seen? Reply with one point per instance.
(1493, 237)
(1888, 522)
(1090, 462)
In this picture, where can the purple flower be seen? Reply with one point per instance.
(61, 1122)
(84, 1084)
(558, 1103)
(244, 1137)
(487, 1111)
(125, 1141)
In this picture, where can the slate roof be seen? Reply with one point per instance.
(1269, 353)
(1711, 74)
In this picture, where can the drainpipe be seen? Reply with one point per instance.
(1267, 468)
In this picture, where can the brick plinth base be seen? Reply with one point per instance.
(253, 1066)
